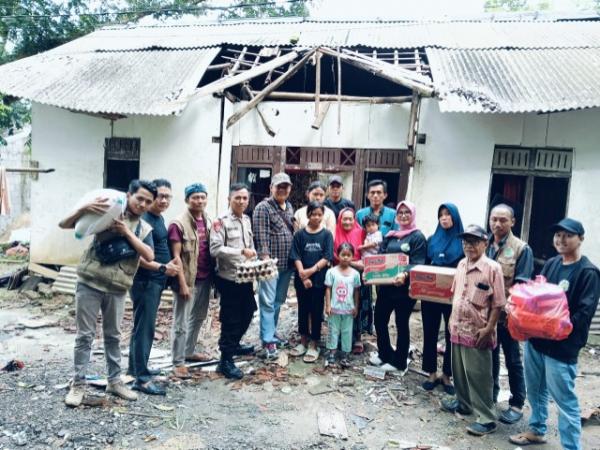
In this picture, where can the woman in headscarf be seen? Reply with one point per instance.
(348, 230)
(316, 193)
(409, 240)
(444, 248)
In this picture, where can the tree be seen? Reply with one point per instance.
(506, 5)
(255, 10)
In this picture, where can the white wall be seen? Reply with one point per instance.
(455, 163)
(177, 148)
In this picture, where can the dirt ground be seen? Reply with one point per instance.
(276, 406)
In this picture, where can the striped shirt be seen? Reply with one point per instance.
(478, 288)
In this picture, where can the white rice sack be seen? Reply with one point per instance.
(92, 223)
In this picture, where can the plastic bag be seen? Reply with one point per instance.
(538, 309)
(95, 223)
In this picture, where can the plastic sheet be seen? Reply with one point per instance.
(538, 309)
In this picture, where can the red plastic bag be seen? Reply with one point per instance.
(538, 309)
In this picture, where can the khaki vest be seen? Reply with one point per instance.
(507, 258)
(190, 247)
(110, 278)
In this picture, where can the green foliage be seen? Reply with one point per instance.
(506, 5)
(298, 9)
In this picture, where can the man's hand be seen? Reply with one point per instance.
(249, 253)
(172, 269)
(307, 283)
(184, 292)
(484, 338)
(354, 312)
(303, 274)
(97, 206)
(120, 227)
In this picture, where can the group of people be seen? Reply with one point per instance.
(322, 246)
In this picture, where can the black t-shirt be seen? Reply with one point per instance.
(162, 253)
(564, 275)
(414, 246)
(337, 207)
(309, 248)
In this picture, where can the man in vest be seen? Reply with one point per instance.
(102, 287)
(516, 259)
(230, 244)
(148, 285)
(273, 225)
(189, 238)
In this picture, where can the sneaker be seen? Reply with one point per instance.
(120, 390)
(511, 415)
(75, 395)
(281, 342)
(229, 370)
(481, 429)
(271, 351)
(452, 405)
(345, 360)
(374, 359)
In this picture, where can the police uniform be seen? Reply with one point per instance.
(230, 235)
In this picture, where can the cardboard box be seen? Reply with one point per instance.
(431, 283)
(382, 269)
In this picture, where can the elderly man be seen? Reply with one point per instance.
(189, 238)
(230, 244)
(145, 293)
(377, 193)
(102, 285)
(273, 225)
(334, 200)
(516, 259)
(551, 366)
(478, 298)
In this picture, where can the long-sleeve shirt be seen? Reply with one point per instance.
(581, 280)
(273, 231)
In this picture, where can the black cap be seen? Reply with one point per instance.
(569, 225)
(474, 231)
(335, 179)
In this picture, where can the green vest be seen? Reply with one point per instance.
(114, 278)
(507, 257)
(190, 246)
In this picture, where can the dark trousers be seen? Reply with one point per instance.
(432, 313)
(514, 365)
(237, 308)
(145, 296)
(310, 310)
(391, 299)
(363, 322)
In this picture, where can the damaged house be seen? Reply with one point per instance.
(473, 112)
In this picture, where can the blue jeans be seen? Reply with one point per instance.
(546, 376)
(271, 295)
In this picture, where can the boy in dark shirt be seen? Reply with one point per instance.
(551, 366)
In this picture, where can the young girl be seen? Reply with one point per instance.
(341, 303)
(312, 251)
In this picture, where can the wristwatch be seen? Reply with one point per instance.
(162, 269)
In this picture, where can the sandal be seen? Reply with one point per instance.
(527, 438)
(312, 354)
(298, 350)
(358, 348)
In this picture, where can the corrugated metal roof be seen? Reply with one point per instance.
(144, 82)
(528, 34)
(516, 81)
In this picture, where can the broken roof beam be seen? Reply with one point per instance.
(270, 88)
(268, 128)
(302, 96)
(227, 82)
(385, 70)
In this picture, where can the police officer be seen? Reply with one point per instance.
(231, 242)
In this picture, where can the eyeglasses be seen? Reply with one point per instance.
(164, 196)
(404, 213)
(471, 242)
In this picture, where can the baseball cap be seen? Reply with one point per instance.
(335, 179)
(474, 231)
(569, 225)
(280, 178)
